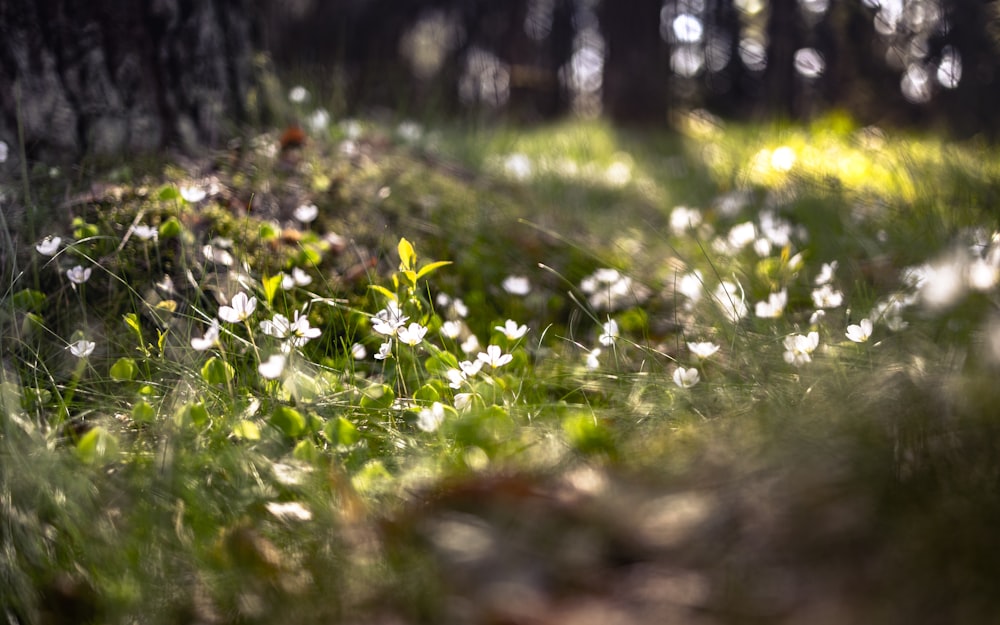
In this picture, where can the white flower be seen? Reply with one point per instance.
(890, 311)
(798, 348)
(741, 235)
(826, 272)
(683, 218)
(272, 367)
(816, 317)
(459, 308)
(388, 320)
(686, 378)
(4, 151)
(318, 120)
(516, 285)
(240, 308)
(511, 330)
(298, 94)
(192, 195)
(463, 401)
(774, 306)
(144, 232)
(288, 511)
(82, 348)
(409, 130)
(981, 274)
(861, 331)
(300, 277)
(731, 300)
(470, 344)
(358, 351)
(777, 230)
(592, 358)
(306, 213)
(210, 339)
(703, 350)
(518, 166)
(827, 297)
(412, 334)
(301, 332)
(691, 285)
(762, 247)
(49, 245)
(610, 290)
(457, 377)
(430, 419)
(217, 255)
(451, 329)
(494, 356)
(609, 333)
(78, 275)
(470, 367)
(278, 326)
(384, 350)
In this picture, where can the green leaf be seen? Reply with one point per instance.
(440, 363)
(301, 387)
(306, 451)
(427, 393)
(246, 430)
(217, 371)
(271, 285)
(407, 256)
(309, 255)
(410, 277)
(377, 397)
(36, 396)
(97, 446)
(587, 435)
(83, 230)
(372, 477)
(132, 321)
(170, 228)
(194, 413)
(168, 193)
(289, 420)
(124, 370)
(340, 431)
(31, 323)
(269, 231)
(142, 412)
(389, 295)
(429, 267)
(28, 299)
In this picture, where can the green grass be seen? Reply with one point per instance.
(158, 480)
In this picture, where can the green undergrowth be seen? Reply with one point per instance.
(227, 385)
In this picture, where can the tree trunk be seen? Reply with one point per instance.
(637, 61)
(784, 32)
(116, 77)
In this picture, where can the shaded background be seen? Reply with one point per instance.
(117, 77)
(904, 62)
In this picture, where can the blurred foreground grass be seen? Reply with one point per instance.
(153, 471)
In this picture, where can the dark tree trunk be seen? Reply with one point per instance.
(784, 32)
(120, 76)
(636, 64)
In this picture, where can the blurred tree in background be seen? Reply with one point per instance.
(113, 76)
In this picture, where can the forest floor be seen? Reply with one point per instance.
(391, 373)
